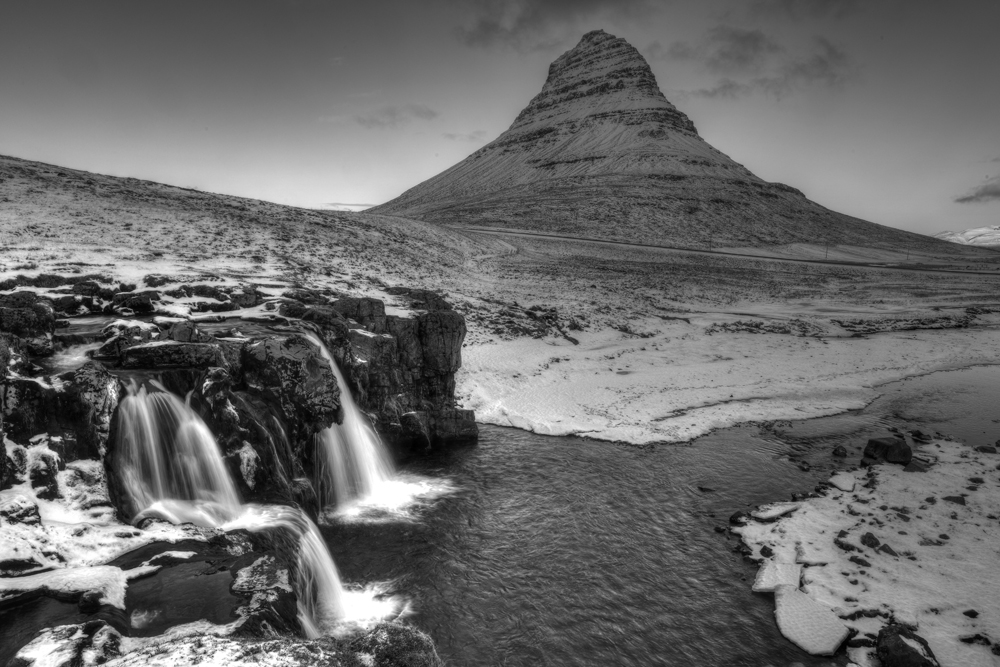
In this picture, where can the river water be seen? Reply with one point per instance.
(554, 551)
(566, 551)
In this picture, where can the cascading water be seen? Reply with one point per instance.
(171, 468)
(353, 462)
(169, 461)
(318, 589)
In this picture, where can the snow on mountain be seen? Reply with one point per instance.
(601, 152)
(981, 236)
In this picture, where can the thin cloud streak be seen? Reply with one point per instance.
(395, 116)
(477, 135)
(986, 192)
(829, 66)
(538, 25)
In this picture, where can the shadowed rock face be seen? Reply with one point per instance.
(600, 152)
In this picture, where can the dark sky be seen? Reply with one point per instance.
(884, 109)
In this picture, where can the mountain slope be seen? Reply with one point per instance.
(601, 152)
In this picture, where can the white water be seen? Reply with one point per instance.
(353, 462)
(172, 469)
(170, 461)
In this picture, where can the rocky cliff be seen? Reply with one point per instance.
(252, 373)
(600, 152)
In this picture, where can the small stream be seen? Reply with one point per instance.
(566, 551)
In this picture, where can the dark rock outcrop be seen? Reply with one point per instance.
(76, 406)
(43, 471)
(27, 321)
(292, 374)
(899, 646)
(891, 450)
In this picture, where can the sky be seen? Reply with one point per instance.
(888, 110)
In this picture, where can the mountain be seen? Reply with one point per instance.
(978, 236)
(601, 152)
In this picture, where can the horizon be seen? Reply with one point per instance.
(296, 104)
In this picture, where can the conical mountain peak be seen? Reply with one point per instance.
(607, 73)
(600, 152)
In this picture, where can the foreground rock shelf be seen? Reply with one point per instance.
(252, 364)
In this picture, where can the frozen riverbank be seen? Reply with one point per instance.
(674, 380)
(894, 545)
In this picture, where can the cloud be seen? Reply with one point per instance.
(828, 66)
(395, 116)
(804, 9)
(986, 192)
(725, 49)
(528, 25)
(477, 135)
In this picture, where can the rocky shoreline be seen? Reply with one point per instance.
(892, 557)
(244, 357)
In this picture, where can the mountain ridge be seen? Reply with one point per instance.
(600, 151)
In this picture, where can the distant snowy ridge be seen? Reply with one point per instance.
(981, 236)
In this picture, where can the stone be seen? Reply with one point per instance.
(188, 332)
(899, 646)
(29, 318)
(43, 470)
(870, 541)
(137, 302)
(840, 451)
(891, 450)
(19, 509)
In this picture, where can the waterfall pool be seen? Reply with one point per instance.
(565, 551)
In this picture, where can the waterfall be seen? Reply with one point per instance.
(170, 464)
(352, 460)
(320, 595)
(172, 469)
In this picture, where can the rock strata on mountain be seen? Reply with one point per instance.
(600, 152)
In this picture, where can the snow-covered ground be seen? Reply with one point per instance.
(681, 381)
(920, 548)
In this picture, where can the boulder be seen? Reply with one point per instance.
(187, 331)
(397, 645)
(899, 646)
(271, 608)
(43, 470)
(75, 406)
(891, 450)
(137, 302)
(19, 509)
(29, 318)
(91, 399)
